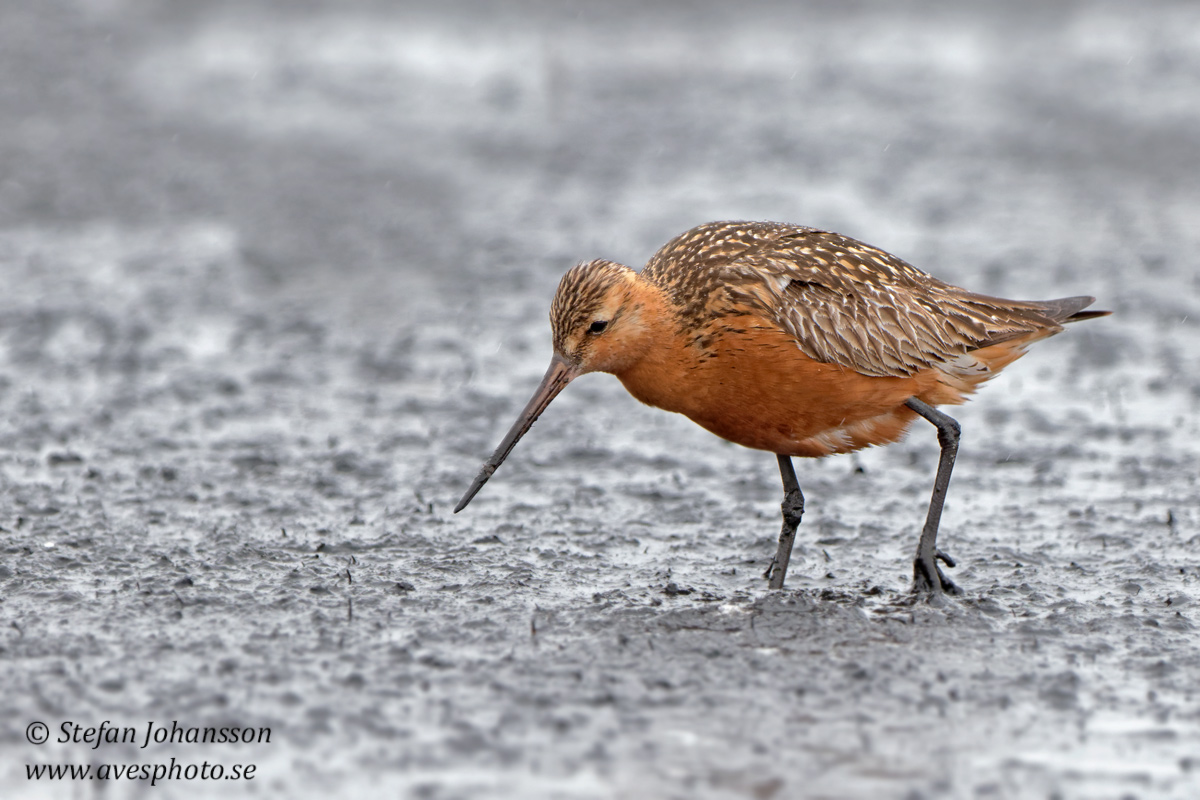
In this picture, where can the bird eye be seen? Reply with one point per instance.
(598, 326)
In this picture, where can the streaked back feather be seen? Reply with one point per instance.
(843, 301)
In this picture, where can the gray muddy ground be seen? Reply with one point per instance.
(275, 280)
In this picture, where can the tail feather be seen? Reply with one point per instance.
(1070, 309)
(959, 378)
(1082, 315)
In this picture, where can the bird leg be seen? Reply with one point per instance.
(927, 576)
(793, 509)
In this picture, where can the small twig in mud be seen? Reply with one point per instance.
(349, 609)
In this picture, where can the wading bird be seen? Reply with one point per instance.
(793, 340)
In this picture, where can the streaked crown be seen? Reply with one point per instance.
(589, 293)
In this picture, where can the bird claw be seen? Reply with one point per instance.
(770, 569)
(929, 579)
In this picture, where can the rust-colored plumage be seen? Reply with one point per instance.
(792, 340)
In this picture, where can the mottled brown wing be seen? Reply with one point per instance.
(845, 302)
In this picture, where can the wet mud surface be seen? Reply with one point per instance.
(275, 281)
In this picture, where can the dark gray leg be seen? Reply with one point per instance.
(927, 577)
(793, 509)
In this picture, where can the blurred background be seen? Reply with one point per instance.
(274, 278)
(407, 149)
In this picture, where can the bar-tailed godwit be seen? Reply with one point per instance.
(792, 340)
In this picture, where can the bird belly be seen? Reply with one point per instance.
(756, 388)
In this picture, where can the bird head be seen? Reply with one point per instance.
(596, 319)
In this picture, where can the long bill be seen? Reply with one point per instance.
(556, 379)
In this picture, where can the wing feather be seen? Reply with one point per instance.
(843, 301)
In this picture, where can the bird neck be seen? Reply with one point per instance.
(652, 342)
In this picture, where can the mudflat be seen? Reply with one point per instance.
(274, 279)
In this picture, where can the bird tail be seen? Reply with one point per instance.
(1070, 309)
(960, 377)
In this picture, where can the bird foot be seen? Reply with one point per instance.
(770, 570)
(928, 577)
